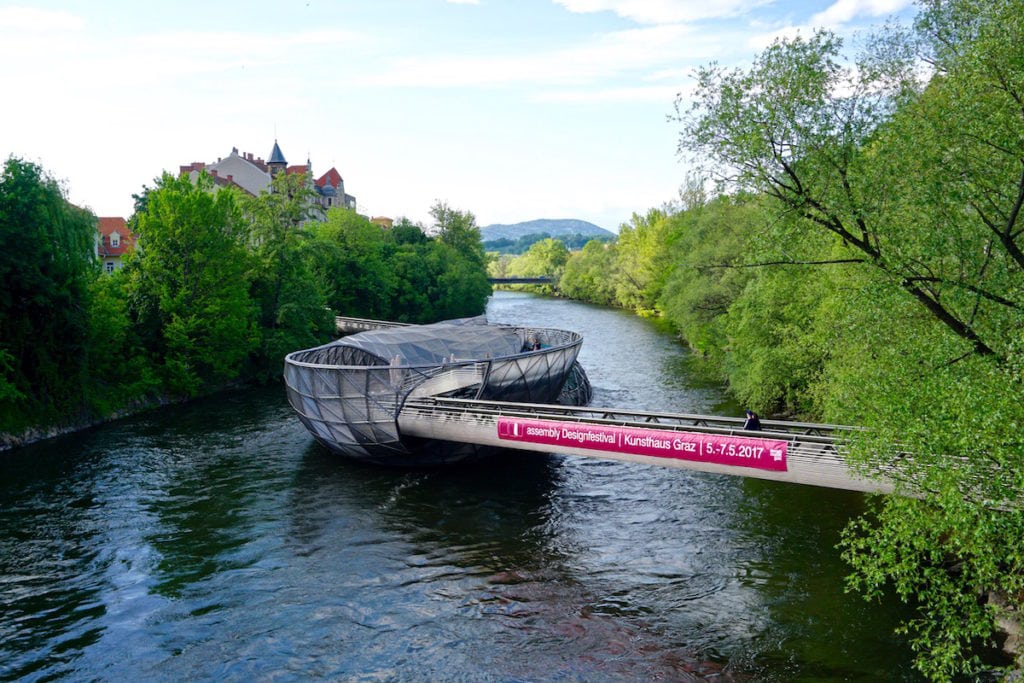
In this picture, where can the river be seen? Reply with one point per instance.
(216, 540)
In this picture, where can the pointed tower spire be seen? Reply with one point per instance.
(276, 162)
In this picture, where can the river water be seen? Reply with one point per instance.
(217, 541)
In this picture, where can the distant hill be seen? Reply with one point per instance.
(554, 228)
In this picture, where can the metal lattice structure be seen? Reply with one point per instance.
(349, 393)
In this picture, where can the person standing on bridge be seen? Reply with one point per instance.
(753, 422)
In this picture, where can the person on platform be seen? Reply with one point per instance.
(753, 422)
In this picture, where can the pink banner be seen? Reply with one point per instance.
(737, 451)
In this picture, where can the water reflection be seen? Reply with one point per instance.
(798, 528)
(478, 515)
(218, 541)
(48, 613)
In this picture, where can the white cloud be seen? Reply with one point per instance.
(837, 17)
(30, 19)
(845, 11)
(661, 94)
(664, 11)
(602, 58)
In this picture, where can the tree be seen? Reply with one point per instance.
(459, 231)
(292, 305)
(119, 369)
(189, 287)
(589, 274)
(919, 185)
(781, 128)
(404, 231)
(46, 264)
(351, 257)
(644, 254)
(461, 264)
(546, 258)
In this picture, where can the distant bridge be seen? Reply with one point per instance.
(541, 280)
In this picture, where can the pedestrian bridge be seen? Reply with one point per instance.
(536, 280)
(794, 452)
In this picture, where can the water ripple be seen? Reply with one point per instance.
(217, 541)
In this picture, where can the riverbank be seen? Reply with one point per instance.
(85, 421)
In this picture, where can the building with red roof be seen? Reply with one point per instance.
(113, 242)
(253, 175)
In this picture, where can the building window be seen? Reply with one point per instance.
(109, 266)
(115, 240)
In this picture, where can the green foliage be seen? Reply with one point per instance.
(644, 256)
(46, 262)
(713, 245)
(405, 231)
(118, 368)
(589, 274)
(456, 265)
(863, 263)
(458, 230)
(401, 274)
(352, 258)
(546, 258)
(897, 209)
(219, 289)
(292, 306)
(411, 302)
(190, 290)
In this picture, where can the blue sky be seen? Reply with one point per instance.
(510, 109)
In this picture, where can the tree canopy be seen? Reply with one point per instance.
(885, 287)
(220, 287)
(46, 263)
(858, 261)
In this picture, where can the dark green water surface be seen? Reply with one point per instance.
(217, 541)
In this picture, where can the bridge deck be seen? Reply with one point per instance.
(799, 453)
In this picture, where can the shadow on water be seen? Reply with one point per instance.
(97, 527)
(478, 514)
(476, 560)
(800, 575)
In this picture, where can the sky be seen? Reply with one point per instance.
(510, 109)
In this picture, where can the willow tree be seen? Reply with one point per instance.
(643, 258)
(589, 274)
(46, 264)
(917, 174)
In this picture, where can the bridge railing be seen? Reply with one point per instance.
(540, 280)
(807, 453)
(347, 325)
